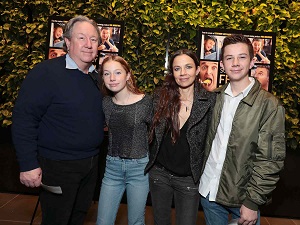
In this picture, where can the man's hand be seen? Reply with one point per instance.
(248, 216)
(32, 178)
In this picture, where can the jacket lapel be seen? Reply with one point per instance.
(159, 131)
(200, 107)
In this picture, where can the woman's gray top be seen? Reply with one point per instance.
(128, 127)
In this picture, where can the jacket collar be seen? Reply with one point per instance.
(250, 98)
(201, 105)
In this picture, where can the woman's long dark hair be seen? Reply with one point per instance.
(168, 106)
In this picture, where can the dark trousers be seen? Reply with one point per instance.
(163, 187)
(77, 179)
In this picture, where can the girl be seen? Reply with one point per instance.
(127, 114)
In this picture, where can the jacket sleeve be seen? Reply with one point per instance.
(269, 157)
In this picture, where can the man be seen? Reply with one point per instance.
(245, 144)
(57, 34)
(208, 74)
(262, 75)
(58, 126)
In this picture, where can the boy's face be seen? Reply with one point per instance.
(256, 46)
(208, 44)
(104, 34)
(236, 61)
(262, 75)
(58, 32)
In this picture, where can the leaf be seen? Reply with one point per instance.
(6, 26)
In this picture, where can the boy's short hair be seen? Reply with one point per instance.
(209, 37)
(235, 39)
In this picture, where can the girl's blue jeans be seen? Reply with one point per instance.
(120, 175)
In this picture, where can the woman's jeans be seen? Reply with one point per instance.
(120, 175)
(218, 214)
(163, 186)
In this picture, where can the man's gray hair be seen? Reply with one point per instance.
(68, 30)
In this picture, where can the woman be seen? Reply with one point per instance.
(182, 111)
(127, 114)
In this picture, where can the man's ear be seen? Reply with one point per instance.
(67, 41)
(252, 62)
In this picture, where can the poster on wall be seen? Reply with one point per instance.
(111, 38)
(209, 50)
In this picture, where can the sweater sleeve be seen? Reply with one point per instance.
(149, 111)
(32, 103)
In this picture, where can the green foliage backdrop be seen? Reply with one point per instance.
(149, 24)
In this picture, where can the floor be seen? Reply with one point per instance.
(16, 209)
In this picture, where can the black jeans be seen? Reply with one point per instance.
(77, 178)
(163, 187)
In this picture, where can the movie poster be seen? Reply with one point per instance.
(209, 49)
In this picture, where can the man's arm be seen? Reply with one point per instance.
(31, 105)
(112, 45)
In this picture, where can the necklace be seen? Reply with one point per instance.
(187, 107)
(186, 99)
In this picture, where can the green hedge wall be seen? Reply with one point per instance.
(149, 23)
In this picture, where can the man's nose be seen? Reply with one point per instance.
(236, 61)
(88, 42)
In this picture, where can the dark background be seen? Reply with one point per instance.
(286, 197)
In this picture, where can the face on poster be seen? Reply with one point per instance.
(56, 38)
(209, 50)
(209, 74)
(111, 38)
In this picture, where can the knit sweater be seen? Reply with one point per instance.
(58, 115)
(127, 127)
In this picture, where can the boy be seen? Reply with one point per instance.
(209, 43)
(245, 146)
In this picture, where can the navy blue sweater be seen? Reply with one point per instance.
(58, 115)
